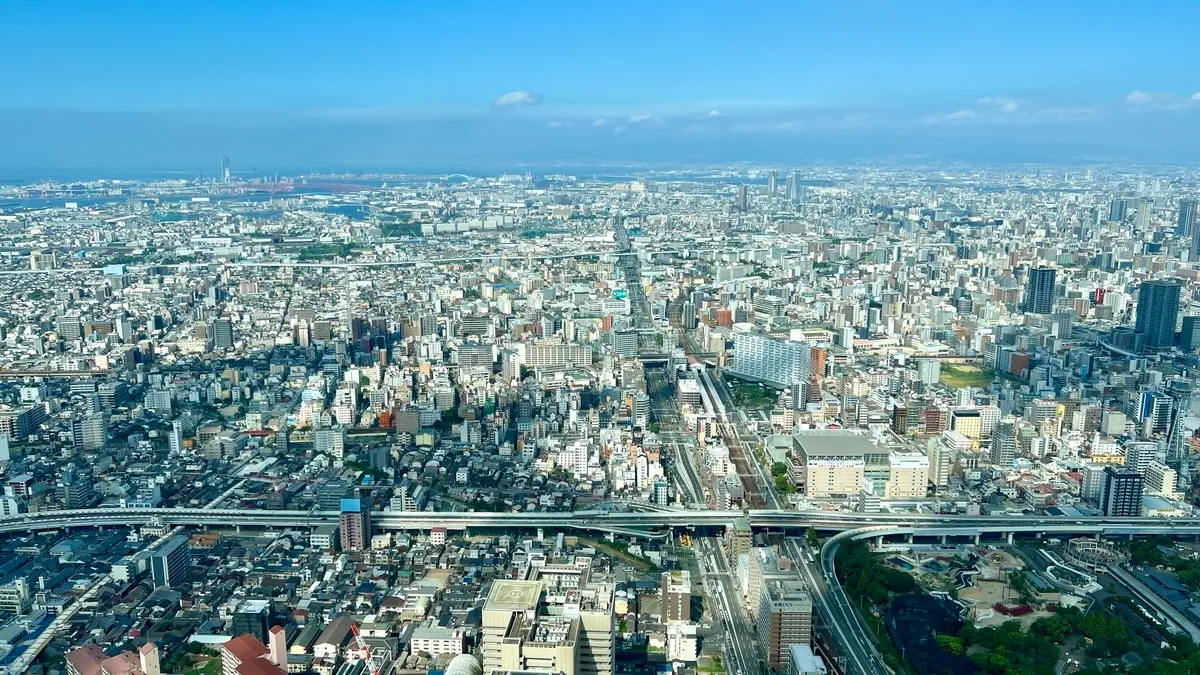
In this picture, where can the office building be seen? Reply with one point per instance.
(784, 619)
(1189, 338)
(1039, 290)
(1188, 213)
(761, 358)
(355, 525)
(169, 564)
(676, 596)
(1117, 210)
(1121, 493)
(222, 333)
(1157, 311)
(772, 183)
(252, 617)
(1161, 481)
(1004, 445)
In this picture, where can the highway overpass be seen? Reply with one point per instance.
(640, 523)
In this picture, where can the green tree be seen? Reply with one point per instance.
(951, 644)
(812, 536)
(778, 469)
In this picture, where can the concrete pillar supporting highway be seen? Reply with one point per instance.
(1039, 535)
(1009, 537)
(237, 528)
(977, 535)
(1098, 537)
(943, 540)
(909, 537)
(879, 542)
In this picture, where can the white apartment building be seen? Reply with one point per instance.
(760, 357)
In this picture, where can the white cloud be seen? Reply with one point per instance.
(619, 129)
(638, 119)
(517, 98)
(559, 124)
(717, 113)
(1002, 103)
(1139, 97)
(1196, 96)
(600, 122)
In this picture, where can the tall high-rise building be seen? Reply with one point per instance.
(1139, 455)
(1157, 310)
(794, 190)
(169, 563)
(222, 329)
(355, 525)
(1189, 211)
(743, 201)
(772, 183)
(784, 619)
(1178, 450)
(1189, 337)
(1039, 290)
(1145, 207)
(175, 439)
(1117, 209)
(226, 174)
(1121, 493)
(676, 596)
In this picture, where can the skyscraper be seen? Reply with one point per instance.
(226, 175)
(1188, 211)
(1144, 208)
(772, 183)
(1121, 493)
(1039, 290)
(1116, 210)
(1157, 309)
(743, 202)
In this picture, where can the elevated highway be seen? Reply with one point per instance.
(632, 522)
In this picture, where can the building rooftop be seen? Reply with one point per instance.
(835, 442)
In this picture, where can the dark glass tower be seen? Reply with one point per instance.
(1039, 291)
(1157, 308)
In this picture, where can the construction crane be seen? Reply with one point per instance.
(374, 658)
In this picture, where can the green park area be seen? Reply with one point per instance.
(752, 396)
(961, 376)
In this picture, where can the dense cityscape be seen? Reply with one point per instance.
(857, 419)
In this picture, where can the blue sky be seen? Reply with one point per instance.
(284, 83)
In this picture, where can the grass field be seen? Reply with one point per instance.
(958, 377)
